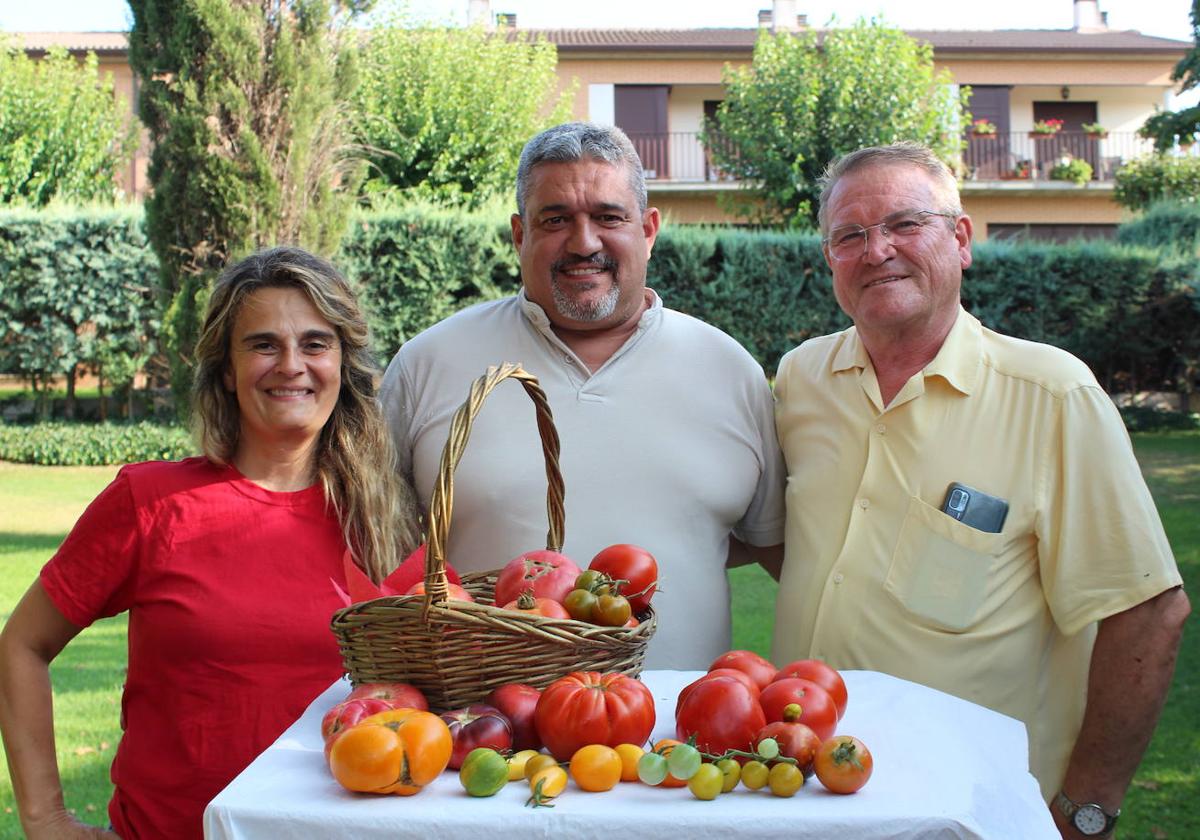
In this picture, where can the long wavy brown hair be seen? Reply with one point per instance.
(354, 460)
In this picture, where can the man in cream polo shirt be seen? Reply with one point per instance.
(1048, 590)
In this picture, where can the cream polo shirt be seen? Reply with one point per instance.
(877, 577)
(670, 445)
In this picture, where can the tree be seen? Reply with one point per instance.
(443, 113)
(805, 99)
(62, 135)
(1165, 127)
(245, 102)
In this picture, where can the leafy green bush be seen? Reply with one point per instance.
(1140, 418)
(1166, 224)
(1145, 180)
(93, 444)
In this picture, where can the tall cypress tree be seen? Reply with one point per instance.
(245, 103)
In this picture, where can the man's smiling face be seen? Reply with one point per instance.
(584, 244)
(904, 286)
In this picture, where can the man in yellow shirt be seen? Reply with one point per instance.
(1044, 587)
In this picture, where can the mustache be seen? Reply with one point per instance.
(601, 261)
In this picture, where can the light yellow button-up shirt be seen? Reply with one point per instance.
(877, 577)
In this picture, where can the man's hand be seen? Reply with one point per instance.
(1131, 668)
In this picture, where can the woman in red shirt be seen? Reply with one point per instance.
(225, 562)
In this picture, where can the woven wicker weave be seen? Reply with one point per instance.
(456, 652)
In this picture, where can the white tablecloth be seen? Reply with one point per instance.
(943, 768)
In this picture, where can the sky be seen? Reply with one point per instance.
(1166, 18)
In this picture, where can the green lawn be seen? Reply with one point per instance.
(39, 504)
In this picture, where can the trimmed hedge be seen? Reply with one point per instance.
(1132, 313)
(1173, 225)
(93, 444)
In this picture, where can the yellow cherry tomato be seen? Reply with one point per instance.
(546, 784)
(596, 767)
(630, 755)
(538, 762)
(785, 779)
(516, 764)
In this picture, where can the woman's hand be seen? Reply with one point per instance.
(64, 826)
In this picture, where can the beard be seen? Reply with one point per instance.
(570, 305)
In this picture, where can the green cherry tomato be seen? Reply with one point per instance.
(652, 768)
(612, 611)
(768, 748)
(754, 775)
(706, 782)
(785, 779)
(588, 580)
(684, 761)
(731, 772)
(579, 604)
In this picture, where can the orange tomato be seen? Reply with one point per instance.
(630, 753)
(454, 592)
(398, 751)
(596, 767)
(664, 747)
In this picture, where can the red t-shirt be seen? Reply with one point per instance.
(229, 597)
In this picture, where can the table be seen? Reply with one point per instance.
(944, 768)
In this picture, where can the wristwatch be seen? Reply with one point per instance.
(1089, 818)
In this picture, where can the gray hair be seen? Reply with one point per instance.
(907, 153)
(570, 142)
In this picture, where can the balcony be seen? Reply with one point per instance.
(1019, 155)
(679, 157)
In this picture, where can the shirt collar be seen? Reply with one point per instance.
(957, 361)
(538, 317)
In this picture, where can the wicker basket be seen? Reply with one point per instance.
(456, 652)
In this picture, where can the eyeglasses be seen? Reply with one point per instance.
(849, 242)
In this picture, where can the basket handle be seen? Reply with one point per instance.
(442, 503)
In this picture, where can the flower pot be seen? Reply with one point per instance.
(1042, 135)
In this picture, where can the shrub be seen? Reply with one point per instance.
(1141, 418)
(1145, 180)
(1072, 169)
(93, 444)
(1171, 225)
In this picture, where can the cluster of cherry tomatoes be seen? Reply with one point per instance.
(615, 588)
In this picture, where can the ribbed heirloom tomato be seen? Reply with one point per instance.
(398, 751)
(587, 707)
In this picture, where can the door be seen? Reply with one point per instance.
(641, 112)
(1071, 138)
(990, 156)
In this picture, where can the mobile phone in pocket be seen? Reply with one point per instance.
(980, 510)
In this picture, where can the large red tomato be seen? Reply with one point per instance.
(817, 710)
(518, 701)
(399, 695)
(548, 573)
(740, 676)
(587, 707)
(817, 671)
(636, 565)
(721, 712)
(478, 725)
(759, 669)
(347, 714)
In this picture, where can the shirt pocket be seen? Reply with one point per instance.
(940, 568)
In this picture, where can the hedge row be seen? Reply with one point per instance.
(1132, 312)
(93, 444)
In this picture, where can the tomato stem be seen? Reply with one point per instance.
(538, 799)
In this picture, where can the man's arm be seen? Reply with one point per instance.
(770, 557)
(1131, 668)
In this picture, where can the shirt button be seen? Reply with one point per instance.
(864, 503)
(837, 578)
(881, 429)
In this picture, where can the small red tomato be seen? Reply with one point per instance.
(823, 675)
(633, 564)
(517, 702)
(759, 669)
(843, 764)
(795, 741)
(612, 611)
(817, 710)
(477, 725)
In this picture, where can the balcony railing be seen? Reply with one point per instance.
(680, 156)
(1022, 155)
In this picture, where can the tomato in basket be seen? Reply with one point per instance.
(548, 573)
